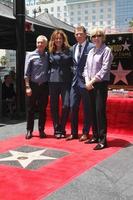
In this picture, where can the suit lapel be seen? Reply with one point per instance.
(74, 48)
(84, 53)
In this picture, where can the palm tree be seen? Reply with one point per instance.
(131, 23)
(3, 60)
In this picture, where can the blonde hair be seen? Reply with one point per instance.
(98, 31)
(52, 46)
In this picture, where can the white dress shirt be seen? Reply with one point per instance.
(77, 49)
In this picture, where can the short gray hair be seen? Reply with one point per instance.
(43, 38)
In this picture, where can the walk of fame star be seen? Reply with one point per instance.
(120, 74)
(25, 158)
(126, 46)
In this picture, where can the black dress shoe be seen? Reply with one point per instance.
(63, 134)
(91, 141)
(28, 135)
(57, 136)
(57, 132)
(42, 135)
(100, 146)
(72, 137)
(60, 135)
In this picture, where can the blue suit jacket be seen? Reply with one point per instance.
(78, 67)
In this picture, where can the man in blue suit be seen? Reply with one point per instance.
(78, 91)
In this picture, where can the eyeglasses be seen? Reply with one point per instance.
(94, 36)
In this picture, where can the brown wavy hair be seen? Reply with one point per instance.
(52, 46)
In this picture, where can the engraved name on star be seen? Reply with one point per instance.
(126, 46)
(26, 158)
(120, 74)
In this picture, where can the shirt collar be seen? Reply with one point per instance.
(39, 52)
(83, 44)
(99, 49)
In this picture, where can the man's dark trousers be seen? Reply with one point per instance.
(39, 101)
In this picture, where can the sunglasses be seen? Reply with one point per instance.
(94, 36)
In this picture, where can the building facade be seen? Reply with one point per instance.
(124, 14)
(113, 15)
(92, 13)
(31, 2)
(6, 1)
(57, 8)
(10, 56)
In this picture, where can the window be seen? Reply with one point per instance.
(109, 9)
(86, 11)
(101, 3)
(101, 10)
(109, 22)
(52, 9)
(86, 5)
(58, 15)
(71, 13)
(58, 9)
(71, 19)
(109, 16)
(86, 23)
(65, 8)
(110, 3)
(93, 4)
(86, 18)
(101, 22)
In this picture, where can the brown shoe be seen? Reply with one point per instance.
(72, 137)
(83, 138)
